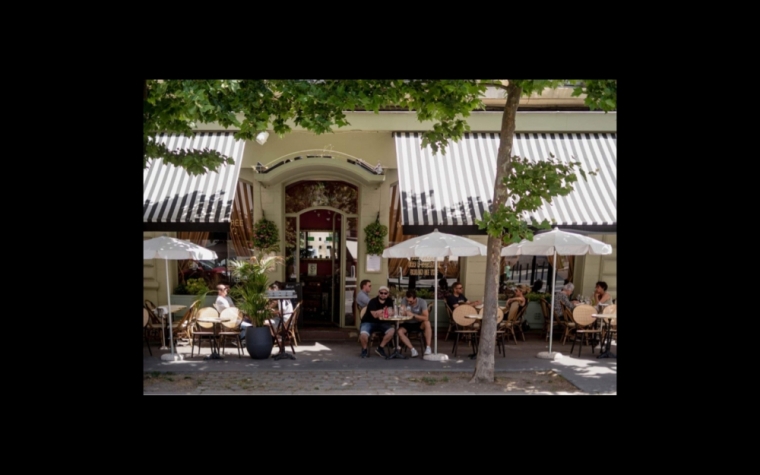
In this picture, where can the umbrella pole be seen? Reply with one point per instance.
(435, 328)
(551, 319)
(169, 303)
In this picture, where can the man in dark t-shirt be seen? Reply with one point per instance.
(456, 297)
(377, 308)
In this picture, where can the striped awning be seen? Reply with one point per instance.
(173, 196)
(454, 190)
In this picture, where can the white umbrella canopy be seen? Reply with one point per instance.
(168, 248)
(553, 243)
(435, 245)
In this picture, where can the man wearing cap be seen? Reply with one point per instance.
(377, 308)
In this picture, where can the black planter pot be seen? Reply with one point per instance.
(258, 342)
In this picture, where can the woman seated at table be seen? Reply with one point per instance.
(519, 297)
(281, 308)
(601, 297)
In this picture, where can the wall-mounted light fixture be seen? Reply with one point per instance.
(262, 137)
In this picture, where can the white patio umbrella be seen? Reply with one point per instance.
(553, 243)
(435, 245)
(166, 248)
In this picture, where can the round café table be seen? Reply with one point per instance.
(398, 319)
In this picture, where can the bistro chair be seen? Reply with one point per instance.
(546, 310)
(452, 325)
(567, 322)
(146, 321)
(613, 323)
(289, 328)
(155, 322)
(465, 327)
(510, 322)
(585, 327)
(231, 319)
(499, 329)
(203, 330)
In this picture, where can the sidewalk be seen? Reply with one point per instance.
(335, 367)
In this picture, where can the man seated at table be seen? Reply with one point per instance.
(456, 297)
(372, 321)
(417, 308)
(362, 297)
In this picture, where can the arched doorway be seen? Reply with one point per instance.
(321, 249)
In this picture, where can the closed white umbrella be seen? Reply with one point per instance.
(553, 243)
(167, 248)
(435, 245)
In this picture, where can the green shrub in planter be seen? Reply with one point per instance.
(192, 287)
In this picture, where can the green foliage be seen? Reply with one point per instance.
(253, 105)
(374, 235)
(528, 184)
(535, 297)
(193, 287)
(250, 292)
(266, 236)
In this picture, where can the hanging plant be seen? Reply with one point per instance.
(266, 236)
(373, 237)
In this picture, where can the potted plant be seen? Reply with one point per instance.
(533, 314)
(374, 234)
(250, 296)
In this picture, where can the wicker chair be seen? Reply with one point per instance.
(231, 319)
(613, 323)
(586, 327)
(567, 323)
(203, 330)
(146, 321)
(465, 327)
(452, 325)
(511, 322)
(290, 329)
(500, 331)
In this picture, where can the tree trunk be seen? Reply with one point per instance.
(484, 365)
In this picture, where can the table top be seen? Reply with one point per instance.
(210, 319)
(175, 308)
(479, 306)
(398, 318)
(476, 317)
(604, 315)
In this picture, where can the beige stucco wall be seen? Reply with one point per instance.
(154, 274)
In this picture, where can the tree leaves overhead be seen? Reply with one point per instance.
(177, 106)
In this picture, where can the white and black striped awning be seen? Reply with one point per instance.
(454, 190)
(175, 200)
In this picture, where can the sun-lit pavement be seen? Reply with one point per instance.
(334, 367)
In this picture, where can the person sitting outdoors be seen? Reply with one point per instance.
(537, 286)
(519, 297)
(456, 297)
(417, 308)
(223, 301)
(563, 298)
(601, 297)
(377, 308)
(281, 309)
(362, 298)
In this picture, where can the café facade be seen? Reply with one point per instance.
(322, 191)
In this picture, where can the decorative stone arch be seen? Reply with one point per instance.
(318, 165)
